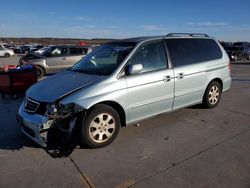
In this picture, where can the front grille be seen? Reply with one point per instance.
(42, 108)
(29, 131)
(30, 105)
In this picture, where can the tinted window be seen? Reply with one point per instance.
(76, 51)
(191, 51)
(151, 55)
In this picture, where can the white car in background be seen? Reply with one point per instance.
(5, 52)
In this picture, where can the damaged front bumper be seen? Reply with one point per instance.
(35, 126)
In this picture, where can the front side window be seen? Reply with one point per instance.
(105, 59)
(151, 55)
(58, 51)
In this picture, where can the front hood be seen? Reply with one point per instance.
(60, 85)
(31, 56)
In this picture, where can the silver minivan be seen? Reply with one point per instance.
(55, 58)
(123, 82)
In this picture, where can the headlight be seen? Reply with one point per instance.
(51, 109)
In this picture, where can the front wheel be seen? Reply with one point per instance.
(101, 126)
(39, 72)
(212, 95)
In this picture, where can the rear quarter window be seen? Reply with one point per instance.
(192, 51)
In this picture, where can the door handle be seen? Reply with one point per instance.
(180, 75)
(64, 58)
(166, 78)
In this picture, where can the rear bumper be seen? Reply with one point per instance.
(227, 84)
(34, 126)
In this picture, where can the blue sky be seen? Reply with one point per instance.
(226, 20)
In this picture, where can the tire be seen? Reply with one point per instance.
(101, 126)
(40, 72)
(212, 95)
(6, 55)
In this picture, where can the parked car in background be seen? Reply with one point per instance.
(55, 58)
(38, 46)
(4, 52)
(236, 53)
(226, 44)
(9, 46)
(242, 53)
(17, 50)
(231, 51)
(124, 82)
(25, 49)
(241, 44)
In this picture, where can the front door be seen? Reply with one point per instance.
(54, 59)
(150, 92)
(75, 55)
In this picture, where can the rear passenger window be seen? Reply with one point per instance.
(151, 55)
(191, 51)
(76, 51)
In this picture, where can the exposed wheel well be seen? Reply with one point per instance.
(118, 108)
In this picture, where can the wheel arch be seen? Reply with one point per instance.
(116, 106)
(7, 54)
(219, 80)
(40, 66)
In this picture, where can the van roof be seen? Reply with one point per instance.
(171, 35)
(71, 46)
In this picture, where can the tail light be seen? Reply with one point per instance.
(229, 66)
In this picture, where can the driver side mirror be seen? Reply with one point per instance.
(134, 69)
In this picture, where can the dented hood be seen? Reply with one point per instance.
(60, 85)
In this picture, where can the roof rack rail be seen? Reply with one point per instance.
(187, 34)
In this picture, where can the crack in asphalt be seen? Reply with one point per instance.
(79, 170)
(190, 157)
(241, 113)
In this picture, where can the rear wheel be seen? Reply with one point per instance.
(100, 127)
(6, 55)
(212, 95)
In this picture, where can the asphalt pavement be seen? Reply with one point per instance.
(191, 147)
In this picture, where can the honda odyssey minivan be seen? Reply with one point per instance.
(123, 82)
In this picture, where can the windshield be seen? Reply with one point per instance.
(105, 59)
(47, 50)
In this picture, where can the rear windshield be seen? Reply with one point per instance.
(105, 59)
(191, 51)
